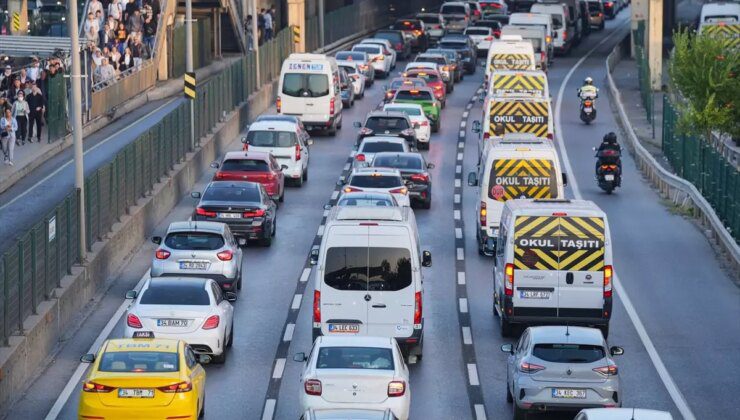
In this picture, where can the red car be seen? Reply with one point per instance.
(399, 83)
(260, 167)
(434, 81)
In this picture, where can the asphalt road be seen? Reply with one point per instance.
(680, 336)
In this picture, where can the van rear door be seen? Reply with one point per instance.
(307, 91)
(535, 290)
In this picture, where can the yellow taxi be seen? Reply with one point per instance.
(143, 378)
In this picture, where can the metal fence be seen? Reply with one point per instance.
(56, 107)
(129, 84)
(699, 162)
(202, 42)
(643, 67)
(34, 265)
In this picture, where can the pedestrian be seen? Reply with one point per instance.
(14, 89)
(6, 79)
(8, 127)
(23, 76)
(135, 22)
(128, 11)
(4, 105)
(121, 33)
(261, 26)
(92, 27)
(115, 10)
(273, 13)
(20, 112)
(43, 82)
(100, 18)
(94, 6)
(268, 26)
(248, 24)
(107, 72)
(150, 31)
(37, 106)
(127, 60)
(34, 70)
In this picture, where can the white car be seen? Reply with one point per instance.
(376, 144)
(356, 75)
(379, 180)
(284, 140)
(422, 125)
(481, 37)
(191, 309)
(378, 60)
(355, 372)
(421, 65)
(389, 50)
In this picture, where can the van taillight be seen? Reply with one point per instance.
(297, 152)
(542, 56)
(483, 214)
(509, 279)
(486, 135)
(417, 308)
(331, 106)
(316, 306)
(608, 272)
(278, 104)
(565, 35)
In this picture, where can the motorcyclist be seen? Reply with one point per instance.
(609, 142)
(588, 90)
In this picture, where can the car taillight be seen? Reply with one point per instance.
(162, 254)
(317, 308)
(225, 255)
(360, 157)
(133, 321)
(608, 272)
(608, 370)
(203, 212)
(255, 213)
(542, 56)
(437, 87)
(297, 151)
(332, 107)
(495, 5)
(509, 279)
(565, 35)
(399, 46)
(95, 387)
(549, 136)
(420, 177)
(497, 34)
(548, 39)
(417, 32)
(586, 103)
(351, 189)
(486, 135)
(389, 95)
(396, 388)
(445, 68)
(211, 322)
(278, 104)
(527, 367)
(185, 386)
(425, 123)
(418, 308)
(489, 38)
(312, 387)
(609, 4)
(483, 216)
(402, 190)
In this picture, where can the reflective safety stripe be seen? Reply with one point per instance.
(730, 31)
(511, 62)
(520, 117)
(522, 178)
(513, 84)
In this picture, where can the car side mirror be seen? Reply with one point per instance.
(473, 179)
(244, 140)
(507, 348)
(300, 357)
(195, 194)
(204, 359)
(565, 179)
(241, 241)
(327, 206)
(476, 126)
(132, 294)
(309, 142)
(314, 258)
(430, 166)
(340, 183)
(157, 239)
(283, 167)
(87, 358)
(215, 165)
(357, 124)
(426, 259)
(230, 296)
(616, 351)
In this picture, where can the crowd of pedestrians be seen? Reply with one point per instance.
(120, 35)
(266, 26)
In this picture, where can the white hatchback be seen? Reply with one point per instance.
(355, 372)
(415, 112)
(379, 180)
(284, 140)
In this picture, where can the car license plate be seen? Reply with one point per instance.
(344, 328)
(569, 393)
(229, 215)
(193, 265)
(534, 294)
(588, 109)
(172, 322)
(135, 393)
(609, 177)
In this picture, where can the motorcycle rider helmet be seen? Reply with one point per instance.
(610, 137)
(588, 81)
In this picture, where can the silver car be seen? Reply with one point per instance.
(561, 368)
(199, 249)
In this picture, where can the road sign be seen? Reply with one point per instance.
(189, 84)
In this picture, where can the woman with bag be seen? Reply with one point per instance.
(20, 113)
(8, 127)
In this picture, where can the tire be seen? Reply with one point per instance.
(305, 175)
(202, 412)
(282, 196)
(506, 328)
(427, 204)
(267, 241)
(509, 397)
(231, 337)
(239, 283)
(220, 359)
(519, 414)
(444, 104)
(604, 330)
(298, 182)
(435, 127)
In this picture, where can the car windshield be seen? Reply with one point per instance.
(196, 241)
(453, 45)
(568, 353)
(245, 165)
(355, 358)
(368, 268)
(232, 193)
(408, 111)
(381, 146)
(370, 49)
(594, 6)
(376, 181)
(478, 31)
(398, 161)
(557, 21)
(270, 138)
(366, 200)
(414, 95)
(390, 124)
(348, 69)
(305, 85)
(452, 9)
(349, 56)
(168, 295)
(139, 362)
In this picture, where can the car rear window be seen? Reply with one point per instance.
(451, 45)
(381, 124)
(452, 10)
(398, 83)
(381, 146)
(185, 295)
(305, 85)
(434, 20)
(568, 353)
(370, 49)
(594, 6)
(245, 165)
(398, 161)
(348, 69)
(366, 201)
(230, 193)
(367, 268)
(489, 24)
(394, 37)
(196, 241)
(376, 181)
(419, 95)
(139, 362)
(557, 21)
(269, 138)
(407, 111)
(478, 31)
(349, 56)
(355, 358)
(428, 77)
(435, 60)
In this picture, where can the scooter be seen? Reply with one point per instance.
(608, 173)
(588, 110)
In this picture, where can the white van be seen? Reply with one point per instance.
(510, 53)
(516, 166)
(537, 19)
(723, 12)
(309, 89)
(553, 265)
(368, 277)
(562, 40)
(536, 36)
(515, 115)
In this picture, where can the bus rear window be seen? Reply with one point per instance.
(305, 85)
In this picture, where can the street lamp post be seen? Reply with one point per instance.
(189, 64)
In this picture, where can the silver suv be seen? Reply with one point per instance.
(561, 368)
(199, 249)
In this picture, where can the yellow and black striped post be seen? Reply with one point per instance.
(297, 34)
(189, 84)
(16, 22)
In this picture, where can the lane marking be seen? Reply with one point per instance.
(320, 231)
(458, 183)
(461, 277)
(463, 305)
(467, 336)
(457, 198)
(458, 233)
(305, 274)
(74, 382)
(335, 194)
(289, 329)
(346, 167)
(460, 254)
(460, 156)
(463, 124)
(461, 145)
(665, 376)
(296, 302)
(277, 372)
(462, 133)
(458, 169)
(326, 213)
(480, 412)
(456, 214)
(465, 114)
(269, 409)
(473, 375)
(91, 149)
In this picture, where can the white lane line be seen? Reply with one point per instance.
(296, 302)
(74, 381)
(289, 329)
(460, 254)
(460, 277)
(459, 156)
(467, 336)
(458, 169)
(463, 305)
(269, 409)
(457, 198)
(456, 214)
(334, 195)
(665, 376)
(458, 183)
(462, 133)
(305, 274)
(473, 374)
(468, 106)
(93, 148)
(320, 231)
(458, 233)
(480, 412)
(277, 373)
(463, 124)
(461, 145)
(346, 167)
(465, 114)
(326, 213)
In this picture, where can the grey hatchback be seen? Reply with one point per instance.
(555, 368)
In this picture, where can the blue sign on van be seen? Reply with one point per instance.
(306, 66)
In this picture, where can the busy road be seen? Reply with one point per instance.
(674, 312)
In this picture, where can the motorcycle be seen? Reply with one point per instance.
(588, 110)
(608, 172)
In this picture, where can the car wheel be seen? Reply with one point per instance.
(266, 241)
(506, 327)
(231, 336)
(282, 196)
(519, 413)
(452, 87)
(427, 204)
(305, 175)
(509, 397)
(444, 104)
(220, 359)
(202, 412)
(435, 126)
(239, 282)
(274, 227)
(298, 181)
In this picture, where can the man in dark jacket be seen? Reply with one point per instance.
(37, 106)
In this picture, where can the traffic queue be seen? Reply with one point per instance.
(552, 257)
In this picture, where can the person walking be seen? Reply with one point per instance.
(248, 25)
(37, 106)
(8, 127)
(261, 27)
(115, 10)
(20, 112)
(268, 26)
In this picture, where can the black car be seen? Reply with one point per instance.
(414, 171)
(397, 39)
(465, 46)
(244, 206)
(347, 89)
(610, 8)
(387, 123)
(414, 30)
